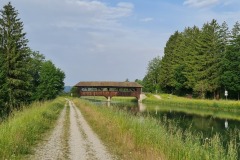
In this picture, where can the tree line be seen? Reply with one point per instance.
(25, 75)
(201, 62)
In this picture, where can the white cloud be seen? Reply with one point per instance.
(200, 3)
(103, 11)
(147, 19)
(93, 14)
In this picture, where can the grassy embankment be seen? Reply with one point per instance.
(133, 137)
(200, 103)
(216, 108)
(24, 128)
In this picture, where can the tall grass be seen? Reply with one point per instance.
(136, 137)
(24, 128)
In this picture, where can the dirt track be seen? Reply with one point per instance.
(72, 138)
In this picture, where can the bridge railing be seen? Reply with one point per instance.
(111, 93)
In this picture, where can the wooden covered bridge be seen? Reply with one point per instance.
(109, 89)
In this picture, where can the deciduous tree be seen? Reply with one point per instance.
(151, 80)
(51, 81)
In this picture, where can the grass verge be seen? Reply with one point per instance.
(133, 137)
(66, 134)
(199, 103)
(24, 128)
(217, 108)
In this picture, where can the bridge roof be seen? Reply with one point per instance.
(109, 84)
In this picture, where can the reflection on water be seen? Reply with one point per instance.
(226, 124)
(208, 124)
(141, 107)
(186, 120)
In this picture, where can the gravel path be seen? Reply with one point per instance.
(79, 143)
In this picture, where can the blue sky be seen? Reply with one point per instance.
(112, 40)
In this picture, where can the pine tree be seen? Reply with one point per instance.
(172, 77)
(231, 62)
(178, 79)
(191, 39)
(167, 81)
(209, 58)
(3, 97)
(14, 59)
(224, 39)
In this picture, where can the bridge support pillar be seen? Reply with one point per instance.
(109, 99)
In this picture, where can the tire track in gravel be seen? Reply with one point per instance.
(76, 149)
(93, 147)
(72, 138)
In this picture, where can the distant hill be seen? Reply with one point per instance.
(67, 89)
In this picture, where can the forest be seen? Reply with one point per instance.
(25, 75)
(198, 62)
